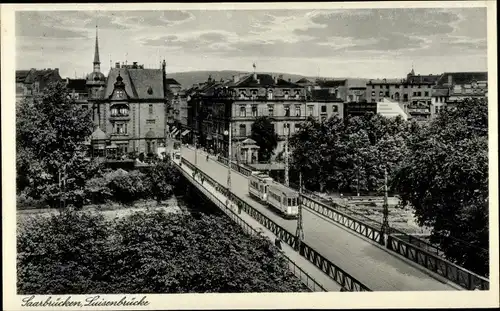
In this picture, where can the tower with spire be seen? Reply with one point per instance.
(96, 83)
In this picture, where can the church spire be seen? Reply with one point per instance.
(97, 62)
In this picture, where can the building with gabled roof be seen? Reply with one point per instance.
(31, 82)
(213, 105)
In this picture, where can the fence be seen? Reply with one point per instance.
(414, 249)
(337, 274)
(312, 284)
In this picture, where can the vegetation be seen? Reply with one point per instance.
(440, 169)
(155, 252)
(265, 136)
(445, 178)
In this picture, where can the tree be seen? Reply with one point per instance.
(265, 136)
(162, 177)
(445, 179)
(50, 130)
(147, 252)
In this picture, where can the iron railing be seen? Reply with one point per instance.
(305, 278)
(413, 248)
(334, 272)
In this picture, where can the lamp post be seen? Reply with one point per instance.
(299, 233)
(385, 221)
(228, 133)
(287, 132)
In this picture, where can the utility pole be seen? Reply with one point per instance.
(299, 234)
(229, 157)
(385, 222)
(287, 131)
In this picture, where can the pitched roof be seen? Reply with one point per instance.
(139, 83)
(79, 85)
(331, 83)
(303, 80)
(463, 77)
(422, 79)
(171, 81)
(385, 81)
(323, 95)
(148, 83)
(21, 75)
(263, 80)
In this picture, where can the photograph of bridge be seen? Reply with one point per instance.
(250, 150)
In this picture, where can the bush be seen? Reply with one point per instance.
(156, 252)
(24, 201)
(97, 191)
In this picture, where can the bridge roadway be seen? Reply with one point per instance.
(369, 263)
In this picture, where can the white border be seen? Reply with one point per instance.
(241, 301)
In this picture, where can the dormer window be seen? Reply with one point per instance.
(243, 94)
(120, 94)
(269, 94)
(286, 94)
(297, 94)
(150, 91)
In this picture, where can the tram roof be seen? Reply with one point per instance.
(283, 188)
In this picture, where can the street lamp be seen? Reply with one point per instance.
(228, 133)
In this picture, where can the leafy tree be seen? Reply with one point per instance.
(146, 252)
(264, 135)
(445, 179)
(163, 177)
(49, 132)
(65, 253)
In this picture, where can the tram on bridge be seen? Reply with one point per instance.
(284, 199)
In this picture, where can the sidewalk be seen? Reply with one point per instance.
(316, 274)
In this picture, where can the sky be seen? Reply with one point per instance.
(365, 43)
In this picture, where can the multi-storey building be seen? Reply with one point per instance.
(77, 89)
(453, 87)
(414, 93)
(322, 104)
(33, 81)
(213, 105)
(130, 106)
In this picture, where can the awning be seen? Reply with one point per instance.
(185, 132)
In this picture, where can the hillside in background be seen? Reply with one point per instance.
(187, 79)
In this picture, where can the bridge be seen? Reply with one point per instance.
(338, 247)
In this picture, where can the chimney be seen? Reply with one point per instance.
(275, 79)
(163, 65)
(117, 65)
(67, 80)
(134, 65)
(255, 76)
(450, 80)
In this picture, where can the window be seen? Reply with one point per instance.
(414, 93)
(426, 93)
(405, 86)
(298, 126)
(119, 94)
(286, 94)
(270, 109)
(243, 94)
(254, 111)
(286, 129)
(373, 86)
(297, 110)
(287, 110)
(150, 109)
(323, 109)
(114, 111)
(120, 128)
(381, 94)
(405, 97)
(243, 130)
(310, 110)
(419, 93)
(419, 86)
(254, 94)
(270, 94)
(387, 93)
(243, 111)
(335, 108)
(151, 121)
(373, 93)
(297, 94)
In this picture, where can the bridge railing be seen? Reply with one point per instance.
(414, 249)
(311, 283)
(336, 273)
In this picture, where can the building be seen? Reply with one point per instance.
(414, 92)
(130, 106)
(31, 82)
(214, 104)
(454, 87)
(390, 109)
(322, 104)
(357, 109)
(77, 89)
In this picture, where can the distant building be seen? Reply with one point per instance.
(454, 87)
(32, 82)
(323, 104)
(77, 89)
(356, 109)
(390, 109)
(414, 93)
(213, 105)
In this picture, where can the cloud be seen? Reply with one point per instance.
(37, 24)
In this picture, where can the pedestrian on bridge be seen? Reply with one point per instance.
(277, 242)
